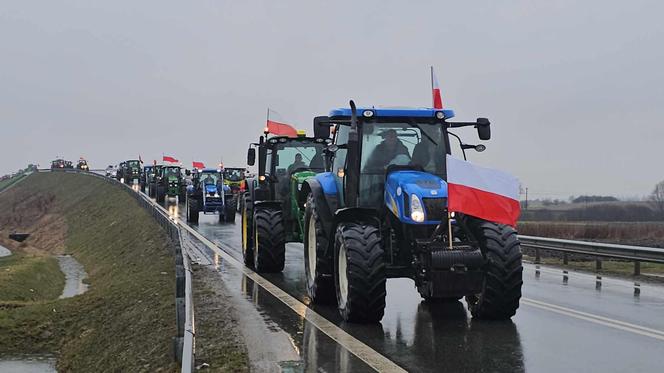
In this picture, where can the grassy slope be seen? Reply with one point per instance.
(4, 184)
(29, 278)
(126, 321)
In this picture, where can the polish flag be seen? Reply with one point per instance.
(435, 90)
(198, 165)
(279, 128)
(169, 159)
(482, 192)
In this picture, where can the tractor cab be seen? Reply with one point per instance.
(132, 171)
(83, 165)
(235, 178)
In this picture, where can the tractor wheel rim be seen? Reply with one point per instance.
(311, 249)
(342, 275)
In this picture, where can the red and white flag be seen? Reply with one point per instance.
(198, 165)
(482, 192)
(169, 159)
(279, 128)
(435, 91)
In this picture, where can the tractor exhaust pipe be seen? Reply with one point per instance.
(353, 160)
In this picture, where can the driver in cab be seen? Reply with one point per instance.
(386, 151)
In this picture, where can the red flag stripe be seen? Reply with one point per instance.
(281, 129)
(435, 90)
(198, 165)
(169, 159)
(485, 205)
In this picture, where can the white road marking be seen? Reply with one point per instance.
(358, 348)
(597, 319)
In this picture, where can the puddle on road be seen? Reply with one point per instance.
(74, 276)
(37, 364)
(4, 252)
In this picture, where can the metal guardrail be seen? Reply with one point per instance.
(637, 254)
(184, 341)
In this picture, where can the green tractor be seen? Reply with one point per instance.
(151, 180)
(169, 182)
(382, 213)
(236, 179)
(131, 171)
(271, 214)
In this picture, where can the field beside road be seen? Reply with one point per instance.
(126, 320)
(626, 233)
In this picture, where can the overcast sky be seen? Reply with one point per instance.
(574, 89)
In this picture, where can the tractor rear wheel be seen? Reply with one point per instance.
(161, 193)
(192, 210)
(501, 290)
(359, 272)
(229, 210)
(317, 266)
(269, 240)
(247, 231)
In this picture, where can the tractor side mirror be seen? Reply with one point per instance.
(483, 128)
(251, 157)
(322, 127)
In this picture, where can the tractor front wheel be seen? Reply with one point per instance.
(269, 240)
(229, 210)
(359, 273)
(501, 290)
(247, 232)
(317, 266)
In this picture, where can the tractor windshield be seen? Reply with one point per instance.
(409, 143)
(234, 174)
(209, 178)
(286, 158)
(133, 164)
(171, 171)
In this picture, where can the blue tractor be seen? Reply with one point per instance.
(208, 194)
(381, 212)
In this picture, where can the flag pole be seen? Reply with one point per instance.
(449, 227)
(433, 103)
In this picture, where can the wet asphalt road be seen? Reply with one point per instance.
(561, 325)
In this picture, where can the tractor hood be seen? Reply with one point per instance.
(431, 190)
(210, 188)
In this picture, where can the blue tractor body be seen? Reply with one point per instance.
(208, 194)
(401, 187)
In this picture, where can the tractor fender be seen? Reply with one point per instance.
(325, 203)
(357, 214)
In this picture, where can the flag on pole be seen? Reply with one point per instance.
(435, 90)
(140, 159)
(279, 128)
(482, 192)
(169, 159)
(198, 165)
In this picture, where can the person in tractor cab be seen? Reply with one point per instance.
(297, 164)
(386, 151)
(209, 180)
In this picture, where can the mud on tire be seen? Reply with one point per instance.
(192, 210)
(319, 280)
(364, 298)
(269, 240)
(501, 291)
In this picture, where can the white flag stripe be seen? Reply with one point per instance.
(486, 179)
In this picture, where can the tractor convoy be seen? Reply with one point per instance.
(368, 198)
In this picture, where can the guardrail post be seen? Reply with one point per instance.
(637, 268)
(537, 256)
(565, 259)
(598, 264)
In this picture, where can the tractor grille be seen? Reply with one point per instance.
(213, 199)
(435, 208)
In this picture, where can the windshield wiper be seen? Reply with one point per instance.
(414, 124)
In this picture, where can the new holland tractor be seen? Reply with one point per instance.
(169, 183)
(271, 215)
(151, 180)
(381, 212)
(208, 194)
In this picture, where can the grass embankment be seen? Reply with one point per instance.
(4, 184)
(29, 278)
(626, 233)
(126, 320)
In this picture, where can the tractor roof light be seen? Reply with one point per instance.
(440, 115)
(368, 114)
(301, 133)
(416, 209)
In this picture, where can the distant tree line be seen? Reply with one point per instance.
(588, 199)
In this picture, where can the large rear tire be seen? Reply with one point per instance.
(317, 266)
(247, 231)
(269, 240)
(161, 193)
(192, 210)
(501, 290)
(229, 210)
(360, 275)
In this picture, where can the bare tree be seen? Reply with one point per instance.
(657, 198)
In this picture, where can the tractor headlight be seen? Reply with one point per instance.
(416, 209)
(440, 115)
